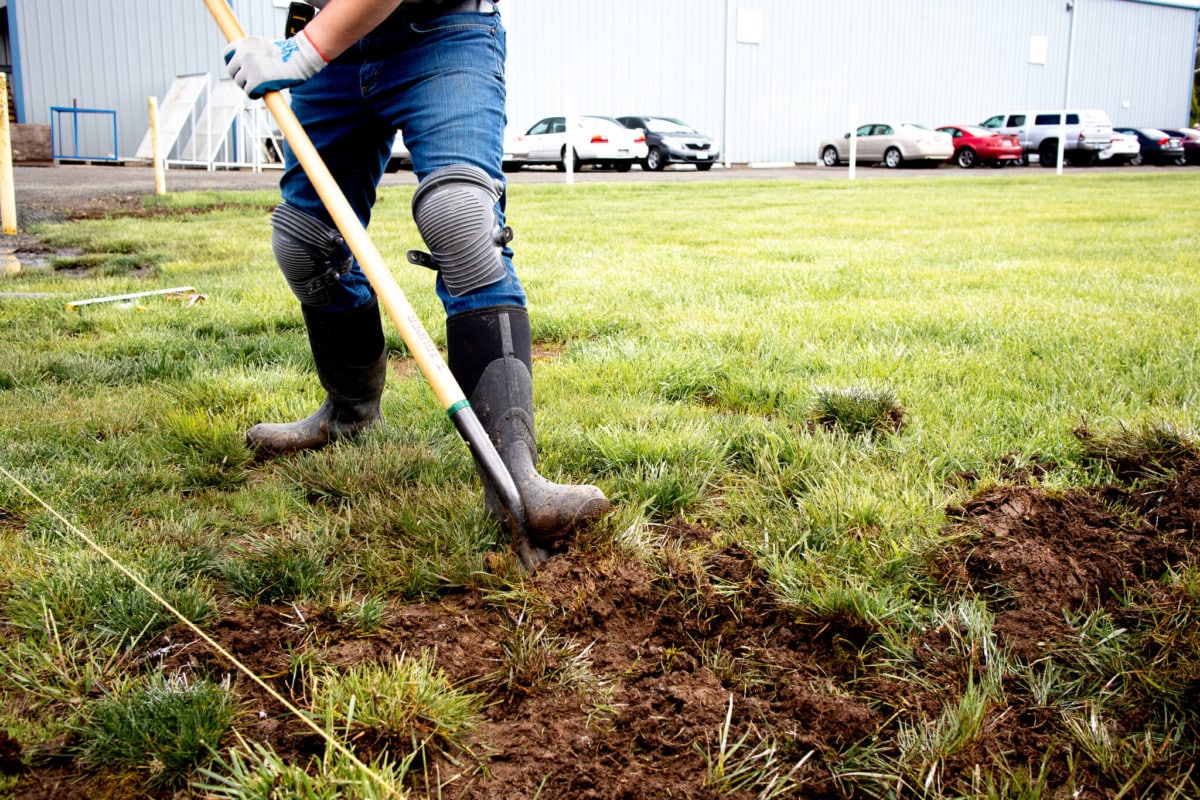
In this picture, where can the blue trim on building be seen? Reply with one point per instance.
(14, 46)
(1195, 46)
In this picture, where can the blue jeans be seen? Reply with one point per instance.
(440, 79)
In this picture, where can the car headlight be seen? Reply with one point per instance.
(671, 141)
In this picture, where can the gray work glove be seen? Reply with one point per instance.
(260, 65)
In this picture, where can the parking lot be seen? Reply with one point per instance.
(89, 180)
(49, 193)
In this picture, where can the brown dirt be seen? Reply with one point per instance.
(671, 646)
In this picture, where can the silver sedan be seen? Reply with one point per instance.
(889, 143)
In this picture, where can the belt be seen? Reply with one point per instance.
(300, 13)
(453, 6)
(436, 8)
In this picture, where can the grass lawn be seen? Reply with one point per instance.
(846, 428)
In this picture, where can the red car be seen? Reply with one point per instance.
(974, 145)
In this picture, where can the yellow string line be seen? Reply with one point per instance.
(341, 748)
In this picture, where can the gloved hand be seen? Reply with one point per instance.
(259, 65)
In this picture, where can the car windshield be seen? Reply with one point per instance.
(667, 125)
(591, 123)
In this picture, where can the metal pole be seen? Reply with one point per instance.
(853, 139)
(1062, 122)
(569, 147)
(725, 110)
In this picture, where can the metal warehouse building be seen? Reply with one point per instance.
(769, 78)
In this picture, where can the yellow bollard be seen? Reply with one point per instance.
(160, 178)
(8, 198)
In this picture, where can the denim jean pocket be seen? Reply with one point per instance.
(467, 31)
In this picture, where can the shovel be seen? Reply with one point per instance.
(428, 359)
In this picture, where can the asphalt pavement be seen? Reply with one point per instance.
(50, 192)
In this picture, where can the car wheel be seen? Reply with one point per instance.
(893, 158)
(655, 159)
(1137, 160)
(1048, 153)
(965, 158)
(1020, 161)
(1180, 161)
(705, 167)
(562, 163)
(829, 156)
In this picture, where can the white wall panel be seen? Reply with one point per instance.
(928, 61)
(115, 54)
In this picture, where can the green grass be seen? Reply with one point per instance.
(163, 725)
(719, 350)
(407, 704)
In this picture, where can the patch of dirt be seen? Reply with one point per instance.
(1039, 554)
(669, 647)
(10, 755)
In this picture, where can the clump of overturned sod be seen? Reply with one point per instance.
(1143, 450)
(168, 726)
(858, 411)
(405, 706)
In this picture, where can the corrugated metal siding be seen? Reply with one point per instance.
(617, 57)
(928, 61)
(114, 55)
(1135, 64)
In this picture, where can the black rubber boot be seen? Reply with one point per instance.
(490, 355)
(351, 357)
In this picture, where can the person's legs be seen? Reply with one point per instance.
(340, 311)
(451, 109)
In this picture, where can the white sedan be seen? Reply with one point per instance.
(597, 140)
(514, 152)
(1123, 149)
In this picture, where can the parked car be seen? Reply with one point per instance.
(975, 145)
(400, 158)
(672, 141)
(596, 140)
(889, 143)
(1191, 143)
(1156, 146)
(1123, 148)
(1088, 131)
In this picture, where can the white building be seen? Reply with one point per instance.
(769, 78)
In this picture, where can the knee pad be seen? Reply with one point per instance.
(455, 211)
(312, 256)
